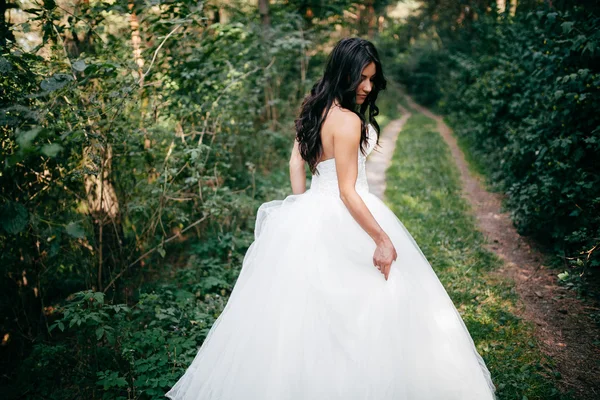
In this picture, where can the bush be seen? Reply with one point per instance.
(524, 98)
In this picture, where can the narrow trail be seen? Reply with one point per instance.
(381, 157)
(561, 322)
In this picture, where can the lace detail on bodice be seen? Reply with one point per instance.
(327, 183)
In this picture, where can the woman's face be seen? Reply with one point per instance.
(366, 83)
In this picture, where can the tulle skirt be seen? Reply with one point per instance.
(311, 318)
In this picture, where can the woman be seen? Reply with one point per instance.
(335, 300)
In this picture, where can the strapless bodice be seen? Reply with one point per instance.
(326, 181)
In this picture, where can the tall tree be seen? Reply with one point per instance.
(263, 10)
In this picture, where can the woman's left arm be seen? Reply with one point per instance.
(297, 172)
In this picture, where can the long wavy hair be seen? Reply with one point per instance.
(340, 81)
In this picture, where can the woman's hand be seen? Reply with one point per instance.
(384, 255)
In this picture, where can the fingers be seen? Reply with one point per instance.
(375, 264)
(388, 267)
(385, 267)
(387, 271)
(378, 266)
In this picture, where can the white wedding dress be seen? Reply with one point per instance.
(311, 318)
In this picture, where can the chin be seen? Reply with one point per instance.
(360, 100)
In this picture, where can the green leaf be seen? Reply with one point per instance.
(590, 46)
(563, 275)
(5, 66)
(110, 337)
(49, 5)
(13, 218)
(99, 333)
(24, 139)
(120, 382)
(75, 230)
(567, 26)
(79, 65)
(52, 149)
(55, 82)
(557, 374)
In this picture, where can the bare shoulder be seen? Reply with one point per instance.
(343, 124)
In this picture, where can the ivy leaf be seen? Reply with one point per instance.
(13, 218)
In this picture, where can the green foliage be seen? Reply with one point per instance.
(119, 351)
(424, 191)
(122, 351)
(118, 176)
(522, 94)
(135, 154)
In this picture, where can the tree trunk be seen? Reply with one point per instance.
(263, 10)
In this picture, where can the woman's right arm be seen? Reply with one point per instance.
(346, 139)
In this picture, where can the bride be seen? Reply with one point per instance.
(335, 300)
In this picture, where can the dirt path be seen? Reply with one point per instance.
(561, 322)
(380, 158)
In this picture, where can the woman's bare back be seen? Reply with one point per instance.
(335, 117)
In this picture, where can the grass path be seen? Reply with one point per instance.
(424, 189)
(560, 320)
(382, 154)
